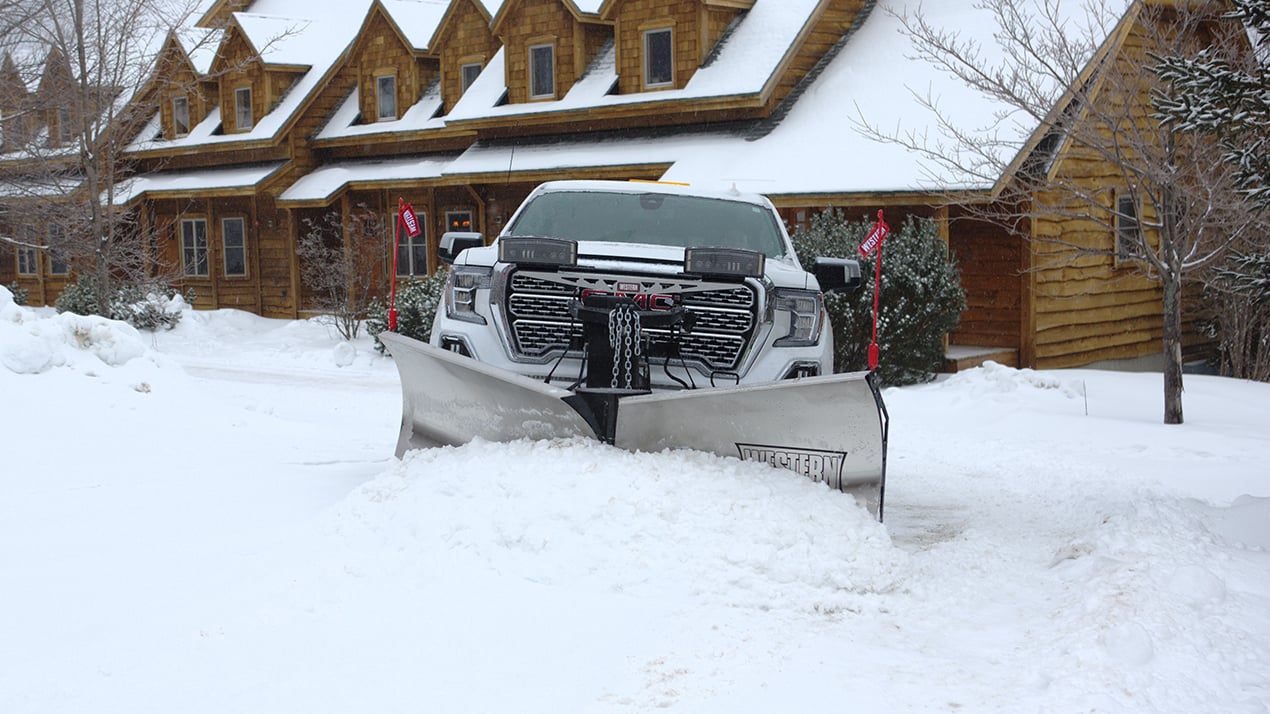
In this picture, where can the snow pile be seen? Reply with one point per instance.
(996, 381)
(563, 514)
(30, 344)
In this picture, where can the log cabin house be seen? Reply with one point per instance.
(271, 117)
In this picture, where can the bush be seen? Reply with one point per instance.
(20, 295)
(145, 306)
(417, 302)
(921, 300)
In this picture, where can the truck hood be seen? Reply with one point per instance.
(782, 272)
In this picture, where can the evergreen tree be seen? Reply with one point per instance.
(1225, 92)
(921, 299)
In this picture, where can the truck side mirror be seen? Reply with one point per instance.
(838, 274)
(456, 242)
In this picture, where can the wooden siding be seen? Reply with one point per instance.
(687, 20)
(237, 65)
(534, 22)
(467, 39)
(380, 51)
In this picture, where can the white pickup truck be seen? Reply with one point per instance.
(650, 317)
(755, 315)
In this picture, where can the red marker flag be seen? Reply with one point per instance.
(407, 219)
(873, 242)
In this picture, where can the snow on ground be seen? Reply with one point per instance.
(210, 520)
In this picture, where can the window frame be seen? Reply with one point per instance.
(1127, 233)
(56, 237)
(464, 83)
(534, 93)
(471, 219)
(28, 261)
(183, 102)
(199, 253)
(380, 115)
(240, 106)
(225, 247)
(411, 246)
(64, 135)
(647, 58)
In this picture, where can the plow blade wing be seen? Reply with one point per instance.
(831, 429)
(448, 400)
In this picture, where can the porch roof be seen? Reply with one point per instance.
(231, 181)
(323, 185)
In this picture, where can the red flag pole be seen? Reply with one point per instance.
(396, 239)
(877, 288)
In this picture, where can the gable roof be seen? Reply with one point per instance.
(583, 10)
(415, 20)
(487, 8)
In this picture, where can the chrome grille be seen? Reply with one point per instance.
(538, 306)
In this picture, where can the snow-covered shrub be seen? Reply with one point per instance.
(417, 302)
(19, 294)
(1236, 313)
(145, 306)
(921, 301)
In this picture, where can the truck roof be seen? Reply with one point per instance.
(640, 187)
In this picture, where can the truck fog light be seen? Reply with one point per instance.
(806, 313)
(461, 291)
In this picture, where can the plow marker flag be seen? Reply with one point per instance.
(873, 242)
(406, 219)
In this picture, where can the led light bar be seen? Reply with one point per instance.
(724, 262)
(531, 250)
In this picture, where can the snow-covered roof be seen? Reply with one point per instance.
(417, 19)
(486, 157)
(200, 46)
(329, 180)
(420, 116)
(878, 79)
(244, 178)
(745, 63)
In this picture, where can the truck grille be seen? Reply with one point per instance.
(538, 309)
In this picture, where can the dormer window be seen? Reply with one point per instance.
(64, 126)
(659, 58)
(468, 74)
(242, 108)
(180, 116)
(542, 71)
(386, 97)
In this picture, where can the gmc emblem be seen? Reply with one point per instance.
(644, 301)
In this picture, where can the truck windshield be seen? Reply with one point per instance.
(660, 219)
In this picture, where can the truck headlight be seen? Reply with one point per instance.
(806, 313)
(460, 292)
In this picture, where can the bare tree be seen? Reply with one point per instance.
(342, 260)
(1091, 99)
(94, 58)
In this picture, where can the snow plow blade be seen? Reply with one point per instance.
(448, 400)
(831, 429)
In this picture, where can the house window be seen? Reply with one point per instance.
(27, 264)
(386, 97)
(1128, 228)
(57, 251)
(242, 108)
(64, 126)
(659, 58)
(469, 73)
(180, 116)
(458, 221)
(233, 236)
(194, 247)
(412, 253)
(542, 72)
